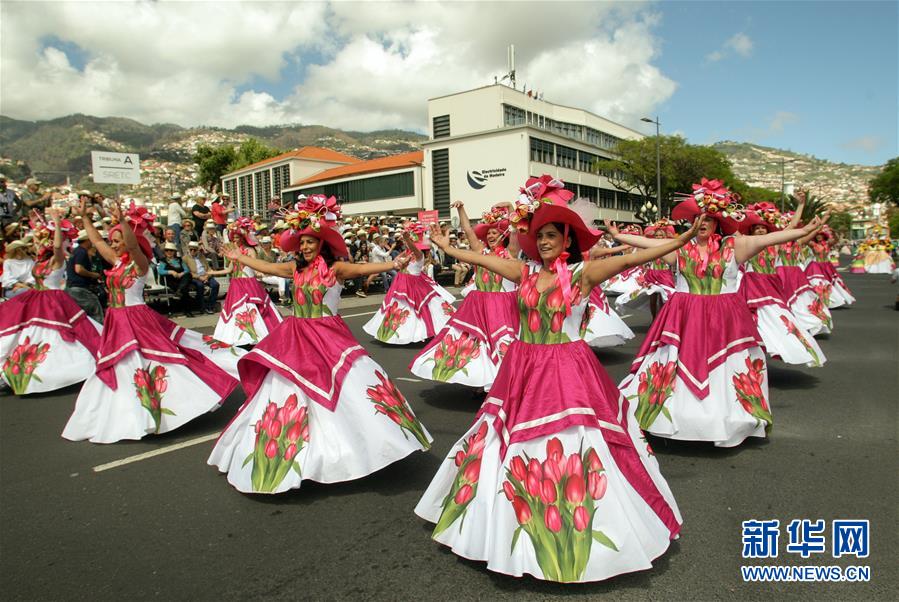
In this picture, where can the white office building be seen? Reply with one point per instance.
(485, 143)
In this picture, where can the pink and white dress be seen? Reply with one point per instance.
(47, 342)
(603, 326)
(700, 374)
(655, 278)
(553, 479)
(248, 314)
(470, 348)
(781, 334)
(318, 406)
(803, 300)
(152, 375)
(415, 308)
(823, 276)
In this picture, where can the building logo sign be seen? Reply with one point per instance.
(478, 178)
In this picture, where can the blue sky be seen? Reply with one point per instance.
(813, 77)
(821, 77)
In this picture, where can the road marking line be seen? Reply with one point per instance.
(411, 380)
(367, 313)
(155, 452)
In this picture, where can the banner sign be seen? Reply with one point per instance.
(115, 168)
(427, 217)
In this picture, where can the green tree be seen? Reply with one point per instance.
(885, 187)
(753, 194)
(682, 164)
(214, 162)
(841, 223)
(893, 222)
(252, 151)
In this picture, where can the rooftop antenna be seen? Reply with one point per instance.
(510, 58)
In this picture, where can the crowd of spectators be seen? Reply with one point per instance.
(187, 246)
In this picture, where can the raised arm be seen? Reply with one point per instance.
(284, 270)
(510, 269)
(59, 258)
(473, 241)
(347, 271)
(747, 247)
(597, 271)
(410, 246)
(634, 240)
(130, 239)
(598, 252)
(102, 247)
(800, 207)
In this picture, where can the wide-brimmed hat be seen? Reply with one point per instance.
(244, 227)
(140, 221)
(495, 217)
(16, 244)
(314, 216)
(82, 236)
(663, 224)
(761, 214)
(544, 200)
(210, 225)
(712, 198)
(419, 235)
(169, 246)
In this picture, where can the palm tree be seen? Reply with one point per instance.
(814, 205)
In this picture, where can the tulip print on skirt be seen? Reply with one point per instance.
(553, 479)
(318, 407)
(700, 373)
(801, 298)
(152, 376)
(824, 278)
(414, 309)
(47, 342)
(248, 314)
(778, 328)
(604, 327)
(471, 346)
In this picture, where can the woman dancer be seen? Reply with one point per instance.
(700, 373)
(551, 479)
(821, 273)
(470, 348)
(318, 407)
(415, 307)
(47, 342)
(248, 314)
(152, 376)
(808, 305)
(655, 282)
(761, 289)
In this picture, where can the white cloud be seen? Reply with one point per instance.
(195, 63)
(868, 144)
(780, 120)
(739, 43)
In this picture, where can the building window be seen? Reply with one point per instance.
(542, 151)
(230, 188)
(513, 115)
(566, 157)
(245, 186)
(588, 192)
(586, 162)
(278, 183)
(440, 174)
(441, 126)
(368, 189)
(606, 198)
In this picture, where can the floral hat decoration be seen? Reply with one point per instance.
(244, 228)
(316, 216)
(140, 221)
(495, 217)
(664, 224)
(761, 214)
(43, 231)
(418, 233)
(712, 198)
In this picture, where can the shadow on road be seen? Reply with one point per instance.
(702, 449)
(456, 398)
(787, 378)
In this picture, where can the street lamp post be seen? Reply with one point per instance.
(783, 185)
(658, 165)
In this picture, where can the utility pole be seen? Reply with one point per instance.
(658, 166)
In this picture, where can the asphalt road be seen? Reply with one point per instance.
(170, 527)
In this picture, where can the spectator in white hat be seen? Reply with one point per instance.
(176, 215)
(83, 280)
(32, 197)
(211, 244)
(177, 277)
(17, 267)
